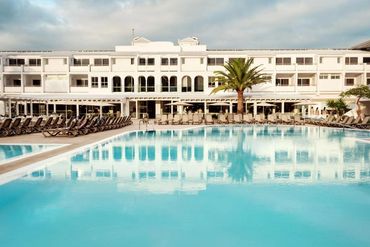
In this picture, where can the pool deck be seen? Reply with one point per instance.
(72, 143)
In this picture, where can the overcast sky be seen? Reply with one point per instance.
(102, 24)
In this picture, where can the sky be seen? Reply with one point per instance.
(102, 24)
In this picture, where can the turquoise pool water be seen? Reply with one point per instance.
(10, 152)
(226, 186)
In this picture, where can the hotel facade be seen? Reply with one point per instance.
(146, 76)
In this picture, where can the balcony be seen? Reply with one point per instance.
(56, 68)
(33, 89)
(99, 68)
(79, 89)
(354, 67)
(79, 69)
(13, 69)
(285, 67)
(9, 89)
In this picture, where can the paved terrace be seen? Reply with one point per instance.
(73, 143)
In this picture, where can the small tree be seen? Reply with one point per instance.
(338, 104)
(360, 92)
(239, 76)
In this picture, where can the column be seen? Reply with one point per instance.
(77, 110)
(47, 108)
(231, 107)
(158, 109)
(255, 108)
(10, 108)
(16, 108)
(101, 110)
(122, 109)
(55, 108)
(137, 109)
(282, 107)
(246, 107)
(205, 107)
(31, 108)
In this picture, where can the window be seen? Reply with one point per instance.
(212, 61)
(150, 84)
(165, 84)
(173, 61)
(368, 81)
(198, 84)
(14, 83)
(212, 81)
(303, 82)
(270, 60)
(201, 60)
(186, 84)
(113, 61)
(132, 61)
(129, 84)
(351, 60)
(324, 76)
(36, 83)
(104, 82)
(283, 61)
(142, 61)
(15, 62)
(81, 83)
(117, 86)
(173, 84)
(142, 84)
(101, 62)
(182, 60)
(46, 61)
(94, 82)
(338, 59)
(304, 60)
(34, 62)
(235, 58)
(320, 59)
(349, 82)
(335, 76)
(366, 60)
(81, 62)
(150, 61)
(164, 61)
(282, 82)
(64, 61)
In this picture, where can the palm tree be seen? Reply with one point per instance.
(338, 104)
(239, 76)
(361, 91)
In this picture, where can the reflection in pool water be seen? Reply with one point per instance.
(226, 186)
(11, 151)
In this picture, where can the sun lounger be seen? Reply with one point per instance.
(208, 119)
(197, 119)
(177, 119)
(238, 118)
(67, 131)
(364, 124)
(222, 119)
(4, 128)
(164, 119)
(24, 126)
(230, 118)
(185, 119)
(271, 119)
(298, 120)
(248, 118)
(14, 127)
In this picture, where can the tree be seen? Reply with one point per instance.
(338, 104)
(239, 76)
(360, 92)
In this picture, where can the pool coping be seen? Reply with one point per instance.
(22, 171)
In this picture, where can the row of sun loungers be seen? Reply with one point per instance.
(86, 126)
(227, 119)
(58, 125)
(343, 122)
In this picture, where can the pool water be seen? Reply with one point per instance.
(9, 152)
(213, 186)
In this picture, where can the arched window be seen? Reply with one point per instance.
(117, 85)
(186, 84)
(129, 84)
(173, 84)
(150, 84)
(142, 84)
(164, 84)
(198, 84)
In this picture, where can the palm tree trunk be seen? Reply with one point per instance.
(240, 102)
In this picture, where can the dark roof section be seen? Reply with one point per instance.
(365, 46)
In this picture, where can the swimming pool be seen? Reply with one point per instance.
(213, 186)
(11, 152)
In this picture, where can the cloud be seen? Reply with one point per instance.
(94, 24)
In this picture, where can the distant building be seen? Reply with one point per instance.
(146, 76)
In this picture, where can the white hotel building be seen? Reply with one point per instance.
(146, 76)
